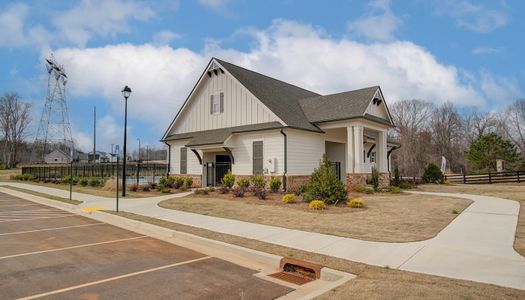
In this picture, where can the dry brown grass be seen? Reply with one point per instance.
(65, 200)
(513, 191)
(386, 217)
(371, 283)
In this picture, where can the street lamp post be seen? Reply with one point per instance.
(126, 91)
(138, 139)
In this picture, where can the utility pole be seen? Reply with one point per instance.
(94, 133)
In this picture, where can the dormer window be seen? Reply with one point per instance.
(217, 103)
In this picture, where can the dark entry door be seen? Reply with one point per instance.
(222, 165)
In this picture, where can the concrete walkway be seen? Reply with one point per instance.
(477, 245)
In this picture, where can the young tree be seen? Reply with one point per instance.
(484, 151)
(14, 120)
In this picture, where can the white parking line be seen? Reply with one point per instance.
(39, 218)
(72, 247)
(50, 229)
(115, 278)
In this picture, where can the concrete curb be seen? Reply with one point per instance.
(263, 262)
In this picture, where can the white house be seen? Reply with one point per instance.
(250, 123)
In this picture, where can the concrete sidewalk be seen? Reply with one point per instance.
(477, 245)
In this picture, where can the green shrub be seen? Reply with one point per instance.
(165, 190)
(146, 188)
(228, 180)
(317, 204)
(395, 180)
(94, 182)
(289, 198)
(324, 185)
(25, 177)
(69, 180)
(243, 183)
(178, 182)
(187, 182)
(275, 184)
(432, 173)
(260, 193)
(375, 178)
(395, 190)
(258, 180)
(2, 166)
(362, 189)
(201, 192)
(83, 181)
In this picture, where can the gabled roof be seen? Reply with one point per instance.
(338, 106)
(280, 97)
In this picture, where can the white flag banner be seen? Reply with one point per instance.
(443, 164)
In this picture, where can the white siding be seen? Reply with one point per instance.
(305, 150)
(240, 107)
(378, 110)
(273, 148)
(193, 166)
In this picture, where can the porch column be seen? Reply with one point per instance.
(358, 149)
(382, 151)
(349, 149)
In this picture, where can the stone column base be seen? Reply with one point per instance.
(384, 180)
(355, 179)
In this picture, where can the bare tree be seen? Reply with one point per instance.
(14, 120)
(447, 136)
(477, 123)
(412, 122)
(513, 124)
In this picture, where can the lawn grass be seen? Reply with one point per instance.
(371, 283)
(386, 217)
(513, 191)
(65, 200)
(6, 174)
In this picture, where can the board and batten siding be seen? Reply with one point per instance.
(192, 163)
(378, 110)
(305, 151)
(240, 107)
(242, 149)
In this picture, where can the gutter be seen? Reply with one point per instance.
(168, 158)
(285, 157)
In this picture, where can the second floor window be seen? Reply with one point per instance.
(217, 103)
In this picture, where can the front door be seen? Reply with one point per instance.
(222, 165)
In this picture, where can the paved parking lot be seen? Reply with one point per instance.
(53, 254)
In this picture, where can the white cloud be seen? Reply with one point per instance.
(474, 17)
(161, 77)
(486, 50)
(165, 37)
(100, 18)
(379, 23)
(500, 89)
(12, 20)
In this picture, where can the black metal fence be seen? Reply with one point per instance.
(500, 177)
(139, 172)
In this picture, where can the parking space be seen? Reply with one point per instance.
(49, 253)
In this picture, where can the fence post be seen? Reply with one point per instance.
(518, 175)
(138, 167)
(414, 180)
(464, 178)
(490, 177)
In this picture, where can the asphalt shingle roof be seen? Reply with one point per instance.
(218, 136)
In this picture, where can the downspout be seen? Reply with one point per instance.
(168, 158)
(285, 158)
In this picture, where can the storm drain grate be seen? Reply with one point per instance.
(292, 278)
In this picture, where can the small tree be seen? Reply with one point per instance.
(375, 178)
(228, 180)
(323, 184)
(484, 151)
(432, 173)
(396, 180)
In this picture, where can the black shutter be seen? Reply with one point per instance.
(222, 102)
(257, 157)
(183, 160)
(211, 104)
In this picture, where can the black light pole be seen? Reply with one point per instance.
(138, 139)
(126, 91)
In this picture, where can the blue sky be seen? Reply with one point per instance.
(464, 51)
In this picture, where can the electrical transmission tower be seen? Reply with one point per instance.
(54, 130)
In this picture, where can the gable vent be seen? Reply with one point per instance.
(377, 101)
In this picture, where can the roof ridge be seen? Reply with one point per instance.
(261, 74)
(340, 93)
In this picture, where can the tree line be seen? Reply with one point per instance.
(471, 141)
